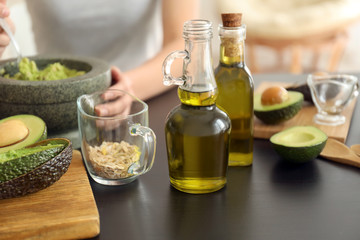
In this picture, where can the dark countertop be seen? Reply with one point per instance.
(268, 200)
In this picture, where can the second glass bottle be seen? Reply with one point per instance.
(236, 89)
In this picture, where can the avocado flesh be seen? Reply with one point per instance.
(17, 162)
(277, 113)
(37, 131)
(299, 144)
(43, 175)
(12, 154)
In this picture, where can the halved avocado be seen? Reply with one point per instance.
(299, 144)
(14, 163)
(42, 176)
(276, 113)
(36, 132)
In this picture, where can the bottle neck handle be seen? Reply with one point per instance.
(197, 67)
(166, 68)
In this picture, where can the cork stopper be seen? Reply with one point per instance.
(231, 19)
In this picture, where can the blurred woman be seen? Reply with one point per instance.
(134, 36)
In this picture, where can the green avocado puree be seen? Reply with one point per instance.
(55, 71)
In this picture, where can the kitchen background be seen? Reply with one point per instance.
(350, 61)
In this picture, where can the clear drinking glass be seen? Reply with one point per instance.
(330, 94)
(117, 148)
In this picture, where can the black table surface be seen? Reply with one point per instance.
(268, 200)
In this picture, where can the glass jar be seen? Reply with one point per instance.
(197, 131)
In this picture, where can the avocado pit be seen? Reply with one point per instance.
(19, 131)
(274, 95)
(12, 132)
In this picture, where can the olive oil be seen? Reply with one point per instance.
(197, 98)
(236, 93)
(197, 132)
(236, 99)
(197, 140)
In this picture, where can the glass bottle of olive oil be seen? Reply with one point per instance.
(236, 89)
(197, 132)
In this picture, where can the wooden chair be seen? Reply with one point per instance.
(306, 31)
(331, 44)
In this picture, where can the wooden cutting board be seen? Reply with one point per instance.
(65, 210)
(304, 117)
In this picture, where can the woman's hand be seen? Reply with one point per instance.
(120, 105)
(4, 38)
(120, 80)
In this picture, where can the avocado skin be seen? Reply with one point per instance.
(41, 177)
(16, 167)
(299, 154)
(279, 115)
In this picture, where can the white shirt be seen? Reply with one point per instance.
(125, 33)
